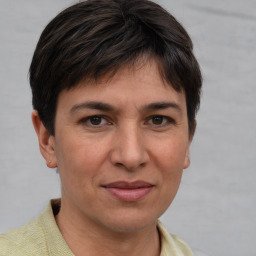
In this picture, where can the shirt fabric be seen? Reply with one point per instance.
(42, 237)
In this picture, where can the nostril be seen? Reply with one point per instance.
(130, 167)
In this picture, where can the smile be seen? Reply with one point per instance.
(129, 191)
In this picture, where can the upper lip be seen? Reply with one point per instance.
(128, 185)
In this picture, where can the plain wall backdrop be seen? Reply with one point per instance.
(215, 209)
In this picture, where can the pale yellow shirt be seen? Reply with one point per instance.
(41, 237)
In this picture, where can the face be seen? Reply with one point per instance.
(121, 146)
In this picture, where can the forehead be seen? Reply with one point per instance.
(135, 85)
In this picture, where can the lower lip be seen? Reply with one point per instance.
(129, 195)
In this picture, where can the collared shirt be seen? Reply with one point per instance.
(42, 237)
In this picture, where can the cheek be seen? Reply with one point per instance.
(171, 162)
(79, 160)
(79, 168)
(169, 159)
(171, 155)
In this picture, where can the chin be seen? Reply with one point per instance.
(130, 223)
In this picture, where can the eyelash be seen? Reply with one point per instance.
(88, 119)
(167, 119)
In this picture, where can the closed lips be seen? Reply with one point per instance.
(128, 185)
(129, 191)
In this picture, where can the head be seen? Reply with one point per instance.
(98, 37)
(116, 88)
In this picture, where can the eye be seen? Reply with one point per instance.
(95, 121)
(159, 121)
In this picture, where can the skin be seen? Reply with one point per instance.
(139, 131)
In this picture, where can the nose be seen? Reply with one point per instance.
(129, 150)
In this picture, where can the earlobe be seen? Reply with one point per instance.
(187, 156)
(45, 140)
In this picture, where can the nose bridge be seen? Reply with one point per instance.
(129, 147)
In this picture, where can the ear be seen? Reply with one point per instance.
(187, 159)
(187, 156)
(45, 140)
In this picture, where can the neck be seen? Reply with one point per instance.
(83, 235)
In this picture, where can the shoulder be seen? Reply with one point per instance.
(38, 237)
(172, 244)
(182, 246)
(25, 240)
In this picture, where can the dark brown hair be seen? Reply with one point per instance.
(95, 37)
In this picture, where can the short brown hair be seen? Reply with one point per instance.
(94, 37)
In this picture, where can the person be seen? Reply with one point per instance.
(116, 88)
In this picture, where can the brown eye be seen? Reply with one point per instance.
(157, 120)
(160, 121)
(95, 120)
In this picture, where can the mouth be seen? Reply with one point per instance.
(129, 191)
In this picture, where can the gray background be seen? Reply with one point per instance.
(214, 210)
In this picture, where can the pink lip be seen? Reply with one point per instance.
(129, 191)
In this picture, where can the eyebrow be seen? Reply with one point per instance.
(92, 105)
(162, 105)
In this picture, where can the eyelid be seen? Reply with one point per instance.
(169, 120)
(85, 120)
